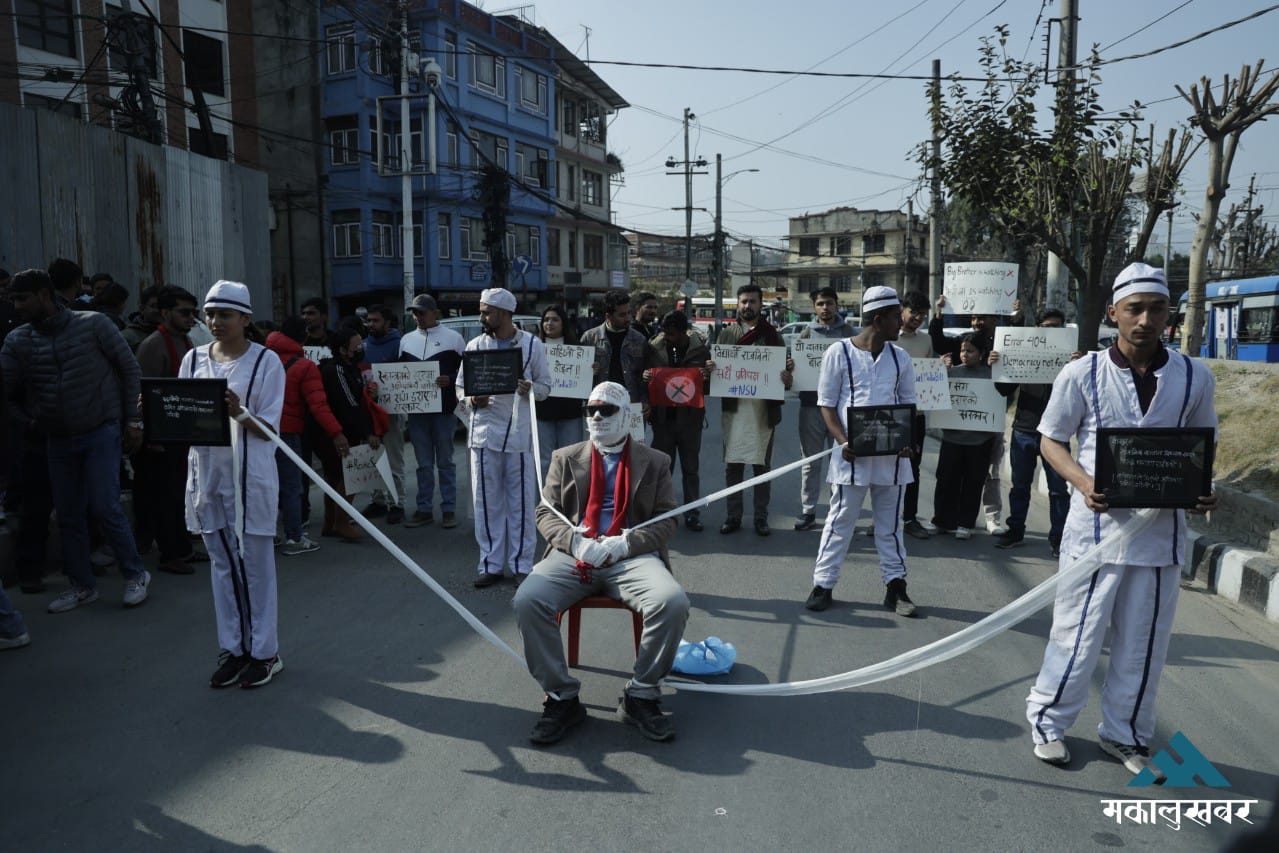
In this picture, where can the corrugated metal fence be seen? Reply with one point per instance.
(147, 214)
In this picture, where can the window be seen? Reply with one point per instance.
(473, 239)
(590, 123)
(488, 71)
(346, 234)
(418, 248)
(47, 25)
(572, 249)
(872, 278)
(390, 154)
(593, 251)
(344, 140)
(531, 164)
(494, 148)
(842, 283)
(40, 102)
(553, 247)
(808, 247)
(568, 112)
(571, 182)
(127, 26)
(383, 234)
(532, 89)
(592, 187)
(341, 46)
(524, 240)
(450, 54)
(872, 244)
(444, 231)
(841, 245)
(1259, 325)
(416, 153)
(203, 66)
(807, 284)
(451, 155)
(215, 148)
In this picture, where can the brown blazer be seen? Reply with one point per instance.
(569, 481)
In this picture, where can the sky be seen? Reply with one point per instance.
(849, 142)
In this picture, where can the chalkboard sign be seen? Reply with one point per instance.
(1154, 467)
(880, 430)
(492, 371)
(185, 411)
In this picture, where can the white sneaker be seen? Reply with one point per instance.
(301, 545)
(71, 599)
(102, 557)
(135, 590)
(995, 527)
(23, 639)
(926, 524)
(1053, 752)
(963, 533)
(1134, 758)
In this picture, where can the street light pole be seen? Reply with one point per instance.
(687, 171)
(717, 262)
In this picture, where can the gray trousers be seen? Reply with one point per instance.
(991, 499)
(735, 472)
(686, 441)
(393, 441)
(642, 583)
(814, 437)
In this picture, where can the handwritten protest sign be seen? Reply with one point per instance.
(408, 387)
(974, 405)
(316, 353)
(185, 411)
(1033, 354)
(571, 370)
(1154, 467)
(808, 353)
(932, 384)
(636, 424)
(362, 473)
(980, 287)
(749, 372)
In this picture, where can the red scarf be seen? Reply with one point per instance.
(175, 361)
(764, 333)
(595, 502)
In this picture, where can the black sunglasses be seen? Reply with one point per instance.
(605, 410)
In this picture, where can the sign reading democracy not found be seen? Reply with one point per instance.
(316, 353)
(932, 384)
(408, 387)
(365, 469)
(808, 353)
(1033, 354)
(572, 370)
(748, 372)
(980, 287)
(975, 405)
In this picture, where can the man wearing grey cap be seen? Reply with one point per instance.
(503, 478)
(432, 432)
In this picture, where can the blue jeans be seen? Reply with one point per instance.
(11, 624)
(1022, 453)
(432, 437)
(291, 486)
(552, 435)
(84, 471)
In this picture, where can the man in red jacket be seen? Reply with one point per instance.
(303, 395)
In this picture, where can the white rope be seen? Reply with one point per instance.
(948, 647)
(405, 560)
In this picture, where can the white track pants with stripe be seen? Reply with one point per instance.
(504, 498)
(1137, 605)
(845, 505)
(245, 602)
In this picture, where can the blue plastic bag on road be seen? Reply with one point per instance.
(712, 656)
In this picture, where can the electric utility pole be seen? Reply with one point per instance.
(1058, 277)
(934, 216)
(406, 161)
(687, 165)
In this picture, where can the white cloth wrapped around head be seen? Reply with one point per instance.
(609, 425)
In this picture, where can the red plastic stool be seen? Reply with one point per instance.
(601, 602)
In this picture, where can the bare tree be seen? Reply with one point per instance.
(1222, 121)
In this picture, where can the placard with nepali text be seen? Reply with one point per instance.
(408, 387)
(1032, 354)
(492, 371)
(808, 354)
(571, 368)
(185, 411)
(748, 372)
(880, 430)
(932, 384)
(1157, 467)
(980, 287)
(361, 471)
(975, 405)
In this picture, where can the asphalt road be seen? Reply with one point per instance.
(394, 727)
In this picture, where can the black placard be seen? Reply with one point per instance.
(185, 411)
(492, 371)
(1162, 468)
(880, 430)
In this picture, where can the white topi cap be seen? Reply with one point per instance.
(1139, 278)
(498, 297)
(229, 294)
(879, 297)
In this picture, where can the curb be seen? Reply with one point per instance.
(1249, 578)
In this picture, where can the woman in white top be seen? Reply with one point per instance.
(232, 492)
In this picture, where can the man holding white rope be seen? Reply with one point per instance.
(596, 492)
(1136, 383)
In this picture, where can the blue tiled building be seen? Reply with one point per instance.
(499, 79)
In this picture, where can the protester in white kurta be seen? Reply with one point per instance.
(854, 374)
(233, 492)
(504, 483)
(1134, 594)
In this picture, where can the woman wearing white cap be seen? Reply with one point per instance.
(232, 492)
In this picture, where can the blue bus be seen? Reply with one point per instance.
(1241, 320)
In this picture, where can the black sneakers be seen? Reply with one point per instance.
(259, 672)
(819, 599)
(487, 579)
(693, 522)
(558, 716)
(1011, 539)
(229, 668)
(896, 599)
(646, 715)
(807, 521)
(377, 509)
